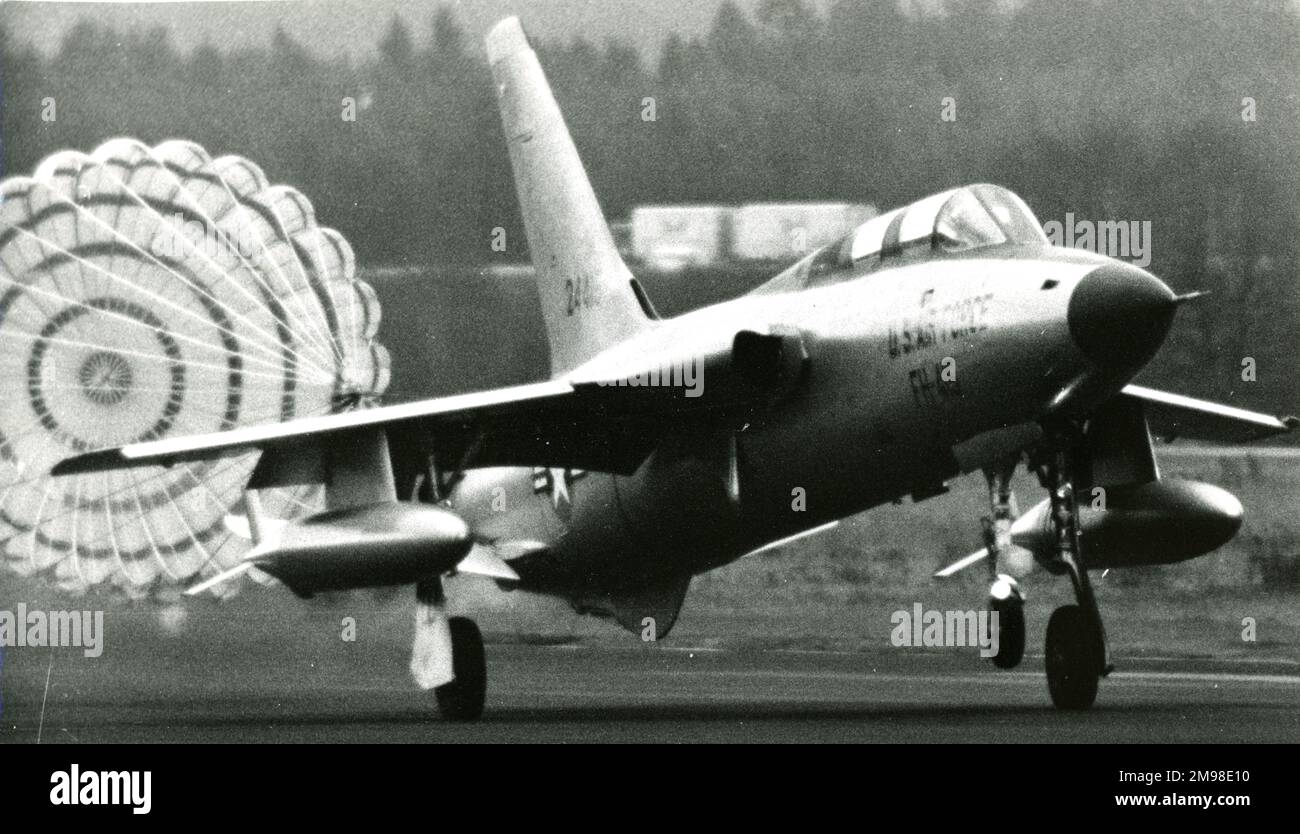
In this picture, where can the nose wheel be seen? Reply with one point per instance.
(1073, 658)
(1006, 601)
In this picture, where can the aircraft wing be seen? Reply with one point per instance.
(1172, 416)
(542, 424)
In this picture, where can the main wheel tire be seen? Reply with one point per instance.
(1073, 658)
(1011, 633)
(462, 699)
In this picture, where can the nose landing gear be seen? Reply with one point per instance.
(1077, 656)
(1076, 652)
(1005, 597)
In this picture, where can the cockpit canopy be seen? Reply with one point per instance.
(961, 219)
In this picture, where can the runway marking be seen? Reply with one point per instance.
(1121, 676)
(581, 647)
(990, 677)
(1227, 452)
(1262, 661)
(1227, 661)
(1224, 677)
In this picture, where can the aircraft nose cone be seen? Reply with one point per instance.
(1118, 315)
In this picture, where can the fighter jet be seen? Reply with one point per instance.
(944, 337)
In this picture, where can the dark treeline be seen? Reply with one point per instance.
(1109, 109)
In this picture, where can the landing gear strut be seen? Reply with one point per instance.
(1076, 651)
(1005, 598)
(448, 655)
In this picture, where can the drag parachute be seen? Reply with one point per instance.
(157, 292)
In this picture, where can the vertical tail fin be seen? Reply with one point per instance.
(587, 295)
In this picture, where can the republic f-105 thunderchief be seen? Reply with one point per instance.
(942, 338)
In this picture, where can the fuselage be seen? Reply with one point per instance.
(917, 373)
(919, 367)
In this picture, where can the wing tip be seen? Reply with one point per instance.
(90, 462)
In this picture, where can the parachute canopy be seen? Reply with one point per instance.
(155, 292)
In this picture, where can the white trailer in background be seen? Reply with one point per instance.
(675, 237)
(784, 231)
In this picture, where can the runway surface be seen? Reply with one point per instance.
(574, 693)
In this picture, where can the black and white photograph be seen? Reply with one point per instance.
(599, 371)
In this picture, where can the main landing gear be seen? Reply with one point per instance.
(1076, 653)
(462, 699)
(448, 656)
